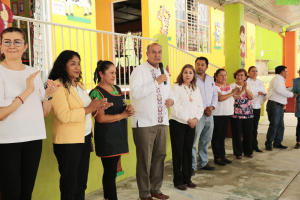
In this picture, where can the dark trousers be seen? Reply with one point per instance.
(219, 134)
(298, 130)
(239, 127)
(109, 177)
(276, 127)
(182, 139)
(19, 164)
(256, 113)
(73, 163)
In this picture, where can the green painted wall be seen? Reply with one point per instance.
(234, 15)
(47, 182)
(268, 40)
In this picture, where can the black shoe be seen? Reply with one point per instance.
(257, 149)
(297, 146)
(219, 162)
(226, 160)
(269, 147)
(193, 172)
(207, 167)
(280, 146)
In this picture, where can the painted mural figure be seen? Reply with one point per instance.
(6, 16)
(81, 3)
(217, 34)
(164, 17)
(243, 45)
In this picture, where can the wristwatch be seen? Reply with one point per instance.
(48, 98)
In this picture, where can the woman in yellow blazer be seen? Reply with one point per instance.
(72, 130)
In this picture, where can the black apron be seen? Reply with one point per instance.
(111, 138)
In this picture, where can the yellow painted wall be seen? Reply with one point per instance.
(251, 53)
(69, 39)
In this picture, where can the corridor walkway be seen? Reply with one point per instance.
(267, 176)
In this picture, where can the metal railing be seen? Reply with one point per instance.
(178, 58)
(126, 51)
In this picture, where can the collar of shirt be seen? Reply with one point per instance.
(280, 77)
(151, 67)
(201, 78)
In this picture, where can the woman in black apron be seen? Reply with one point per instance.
(111, 139)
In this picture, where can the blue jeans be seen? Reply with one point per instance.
(204, 129)
(276, 126)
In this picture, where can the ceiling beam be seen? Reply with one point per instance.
(292, 28)
(128, 13)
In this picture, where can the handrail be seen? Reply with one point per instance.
(77, 27)
(190, 54)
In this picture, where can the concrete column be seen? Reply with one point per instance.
(235, 39)
(291, 57)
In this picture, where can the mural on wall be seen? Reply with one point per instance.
(252, 42)
(65, 7)
(243, 45)
(6, 16)
(217, 34)
(164, 16)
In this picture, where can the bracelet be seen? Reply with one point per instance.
(20, 99)
(118, 118)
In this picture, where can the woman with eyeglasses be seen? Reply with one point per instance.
(23, 105)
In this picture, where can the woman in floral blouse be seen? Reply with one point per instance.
(242, 119)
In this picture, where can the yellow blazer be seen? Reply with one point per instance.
(69, 116)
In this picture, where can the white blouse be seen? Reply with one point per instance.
(224, 108)
(257, 86)
(188, 104)
(86, 102)
(27, 122)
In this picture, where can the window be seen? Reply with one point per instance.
(192, 26)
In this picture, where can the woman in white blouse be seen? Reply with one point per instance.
(185, 114)
(222, 115)
(259, 92)
(23, 105)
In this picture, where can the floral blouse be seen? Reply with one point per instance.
(242, 106)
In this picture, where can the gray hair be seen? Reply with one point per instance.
(148, 47)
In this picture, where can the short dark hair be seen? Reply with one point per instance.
(218, 72)
(102, 66)
(14, 29)
(180, 76)
(202, 58)
(279, 69)
(239, 71)
(250, 68)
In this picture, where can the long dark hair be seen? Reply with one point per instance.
(59, 68)
(102, 66)
(217, 73)
(180, 76)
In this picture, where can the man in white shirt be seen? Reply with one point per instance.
(277, 97)
(151, 99)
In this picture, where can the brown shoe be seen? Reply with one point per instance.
(191, 185)
(160, 196)
(181, 187)
(148, 198)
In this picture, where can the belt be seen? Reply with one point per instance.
(276, 103)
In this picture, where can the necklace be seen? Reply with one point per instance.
(189, 93)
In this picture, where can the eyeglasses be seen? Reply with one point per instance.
(17, 43)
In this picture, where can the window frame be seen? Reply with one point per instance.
(198, 27)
